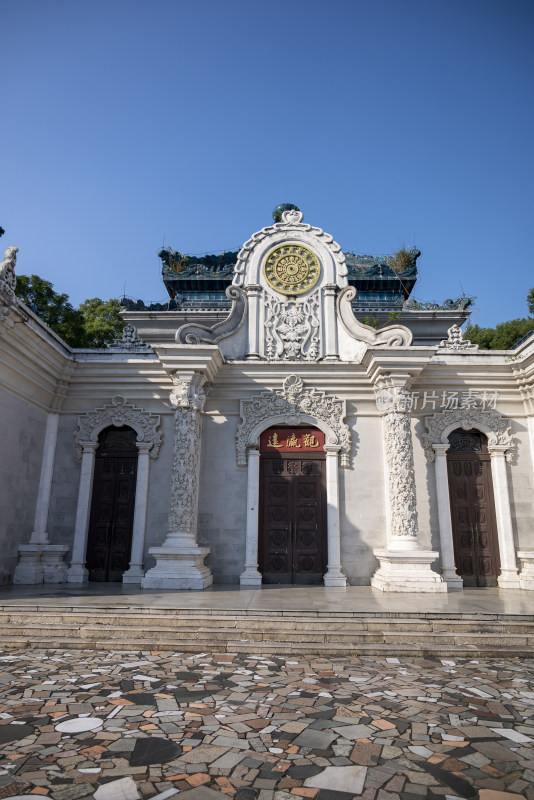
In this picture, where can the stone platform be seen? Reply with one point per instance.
(277, 619)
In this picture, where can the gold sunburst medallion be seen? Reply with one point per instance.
(291, 269)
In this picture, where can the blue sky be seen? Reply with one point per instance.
(128, 124)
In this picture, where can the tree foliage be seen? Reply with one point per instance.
(93, 324)
(504, 335)
(102, 323)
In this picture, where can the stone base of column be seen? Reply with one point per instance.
(250, 577)
(134, 574)
(509, 579)
(526, 576)
(335, 577)
(178, 568)
(77, 573)
(41, 563)
(453, 580)
(407, 571)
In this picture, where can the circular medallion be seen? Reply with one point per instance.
(291, 269)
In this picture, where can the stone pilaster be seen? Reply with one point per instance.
(404, 565)
(179, 560)
(40, 561)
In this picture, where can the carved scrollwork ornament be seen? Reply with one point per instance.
(118, 413)
(187, 391)
(496, 427)
(294, 404)
(291, 222)
(394, 403)
(184, 470)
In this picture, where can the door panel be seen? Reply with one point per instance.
(112, 507)
(475, 539)
(292, 546)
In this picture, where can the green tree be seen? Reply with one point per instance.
(101, 320)
(504, 335)
(95, 323)
(53, 308)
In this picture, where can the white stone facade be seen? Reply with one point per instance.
(199, 396)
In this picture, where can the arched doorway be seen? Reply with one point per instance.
(474, 527)
(112, 504)
(293, 528)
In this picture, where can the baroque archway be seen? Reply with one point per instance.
(501, 446)
(293, 405)
(148, 441)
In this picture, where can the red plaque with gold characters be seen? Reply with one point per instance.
(292, 440)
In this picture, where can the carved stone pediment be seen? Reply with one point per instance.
(494, 425)
(293, 404)
(119, 412)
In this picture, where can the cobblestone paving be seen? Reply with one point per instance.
(121, 726)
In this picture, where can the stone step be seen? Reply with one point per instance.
(271, 632)
(110, 637)
(495, 649)
(156, 620)
(249, 629)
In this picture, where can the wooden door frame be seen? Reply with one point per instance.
(482, 457)
(251, 577)
(300, 457)
(501, 446)
(149, 439)
(132, 453)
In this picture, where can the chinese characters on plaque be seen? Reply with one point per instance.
(292, 440)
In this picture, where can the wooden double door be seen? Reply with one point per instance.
(109, 540)
(476, 546)
(292, 546)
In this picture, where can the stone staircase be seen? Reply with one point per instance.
(303, 632)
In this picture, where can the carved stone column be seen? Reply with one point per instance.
(134, 573)
(180, 561)
(404, 565)
(251, 575)
(330, 345)
(77, 572)
(509, 578)
(448, 567)
(254, 294)
(33, 566)
(334, 574)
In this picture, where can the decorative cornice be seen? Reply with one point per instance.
(294, 404)
(291, 223)
(118, 413)
(494, 425)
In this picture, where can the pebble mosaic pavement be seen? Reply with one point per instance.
(123, 726)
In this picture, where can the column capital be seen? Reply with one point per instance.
(391, 397)
(440, 449)
(497, 450)
(332, 449)
(88, 447)
(187, 391)
(144, 447)
(330, 289)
